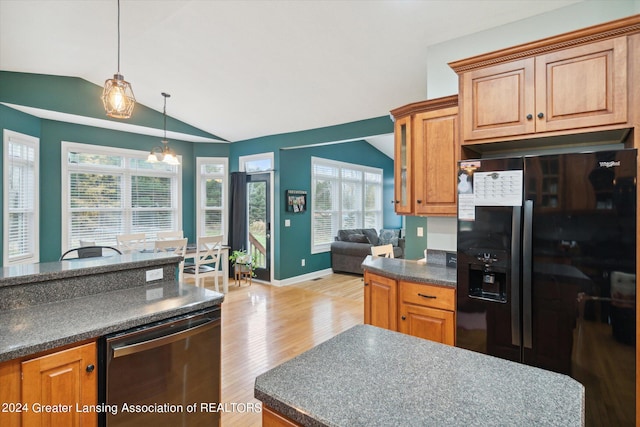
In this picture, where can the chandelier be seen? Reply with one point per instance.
(117, 95)
(164, 153)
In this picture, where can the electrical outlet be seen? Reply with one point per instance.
(154, 275)
(420, 232)
(303, 262)
(154, 293)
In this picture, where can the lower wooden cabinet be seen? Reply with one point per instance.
(380, 301)
(419, 309)
(51, 390)
(272, 418)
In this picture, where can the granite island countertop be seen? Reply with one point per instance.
(109, 296)
(413, 271)
(369, 376)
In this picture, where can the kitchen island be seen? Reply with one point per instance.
(371, 376)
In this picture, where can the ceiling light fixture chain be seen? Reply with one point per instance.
(164, 153)
(117, 96)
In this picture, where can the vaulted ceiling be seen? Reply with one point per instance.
(244, 69)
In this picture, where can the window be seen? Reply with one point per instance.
(344, 196)
(255, 163)
(21, 218)
(211, 199)
(109, 191)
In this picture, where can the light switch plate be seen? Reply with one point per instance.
(154, 275)
(287, 223)
(420, 232)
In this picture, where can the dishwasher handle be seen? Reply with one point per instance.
(164, 340)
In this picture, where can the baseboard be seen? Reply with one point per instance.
(302, 278)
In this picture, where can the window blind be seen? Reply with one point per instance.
(110, 193)
(21, 222)
(344, 196)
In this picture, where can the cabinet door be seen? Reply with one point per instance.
(10, 393)
(272, 418)
(403, 173)
(61, 379)
(380, 301)
(582, 87)
(428, 323)
(499, 100)
(436, 151)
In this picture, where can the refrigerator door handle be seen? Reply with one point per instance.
(527, 271)
(516, 219)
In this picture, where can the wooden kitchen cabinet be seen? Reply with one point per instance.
(427, 311)
(273, 418)
(422, 310)
(427, 150)
(60, 380)
(562, 84)
(380, 301)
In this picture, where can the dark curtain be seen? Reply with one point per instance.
(238, 213)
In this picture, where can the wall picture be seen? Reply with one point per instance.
(296, 201)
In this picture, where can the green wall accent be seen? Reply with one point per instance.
(73, 95)
(414, 245)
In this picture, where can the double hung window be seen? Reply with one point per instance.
(212, 196)
(344, 196)
(109, 191)
(21, 207)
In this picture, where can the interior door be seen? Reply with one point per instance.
(259, 223)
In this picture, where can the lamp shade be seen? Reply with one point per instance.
(118, 98)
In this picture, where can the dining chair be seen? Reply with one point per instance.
(385, 251)
(169, 235)
(206, 260)
(91, 251)
(128, 243)
(176, 247)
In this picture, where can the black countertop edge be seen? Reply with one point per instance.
(41, 272)
(413, 271)
(87, 318)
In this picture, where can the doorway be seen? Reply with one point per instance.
(259, 223)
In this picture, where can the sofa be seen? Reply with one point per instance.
(351, 247)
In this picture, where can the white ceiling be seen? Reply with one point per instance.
(244, 69)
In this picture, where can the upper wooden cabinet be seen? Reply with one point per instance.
(574, 82)
(427, 150)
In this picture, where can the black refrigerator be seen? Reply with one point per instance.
(546, 269)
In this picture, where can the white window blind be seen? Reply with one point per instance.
(21, 199)
(114, 191)
(212, 195)
(344, 196)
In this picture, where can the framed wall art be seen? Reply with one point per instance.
(296, 201)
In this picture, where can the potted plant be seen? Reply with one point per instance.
(243, 262)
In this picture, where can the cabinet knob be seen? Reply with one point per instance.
(90, 368)
(540, 115)
(397, 201)
(404, 317)
(529, 116)
(419, 201)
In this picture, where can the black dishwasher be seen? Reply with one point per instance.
(162, 374)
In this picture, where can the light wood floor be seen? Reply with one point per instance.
(264, 326)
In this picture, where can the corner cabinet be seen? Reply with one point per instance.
(420, 309)
(65, 381)
(575, 82)
(427, 150)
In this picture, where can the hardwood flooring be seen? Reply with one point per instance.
(264, 326)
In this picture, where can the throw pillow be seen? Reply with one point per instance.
(372, 235)
(358, 238)
(389, 236)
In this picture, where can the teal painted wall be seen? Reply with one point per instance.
(414, 245)
(292, 163)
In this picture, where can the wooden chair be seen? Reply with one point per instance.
(128, 243)
(206, 260)
(383, 251)
(177, 247)
(169, 235)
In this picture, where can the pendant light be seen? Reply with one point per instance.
(117, 95)
(164, 153)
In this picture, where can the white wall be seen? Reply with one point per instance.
(442, 81)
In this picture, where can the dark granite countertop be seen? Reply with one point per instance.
(61, 303)
(402, 269)
(370, 376)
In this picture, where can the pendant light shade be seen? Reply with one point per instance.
(164, 153)
(117, 96)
